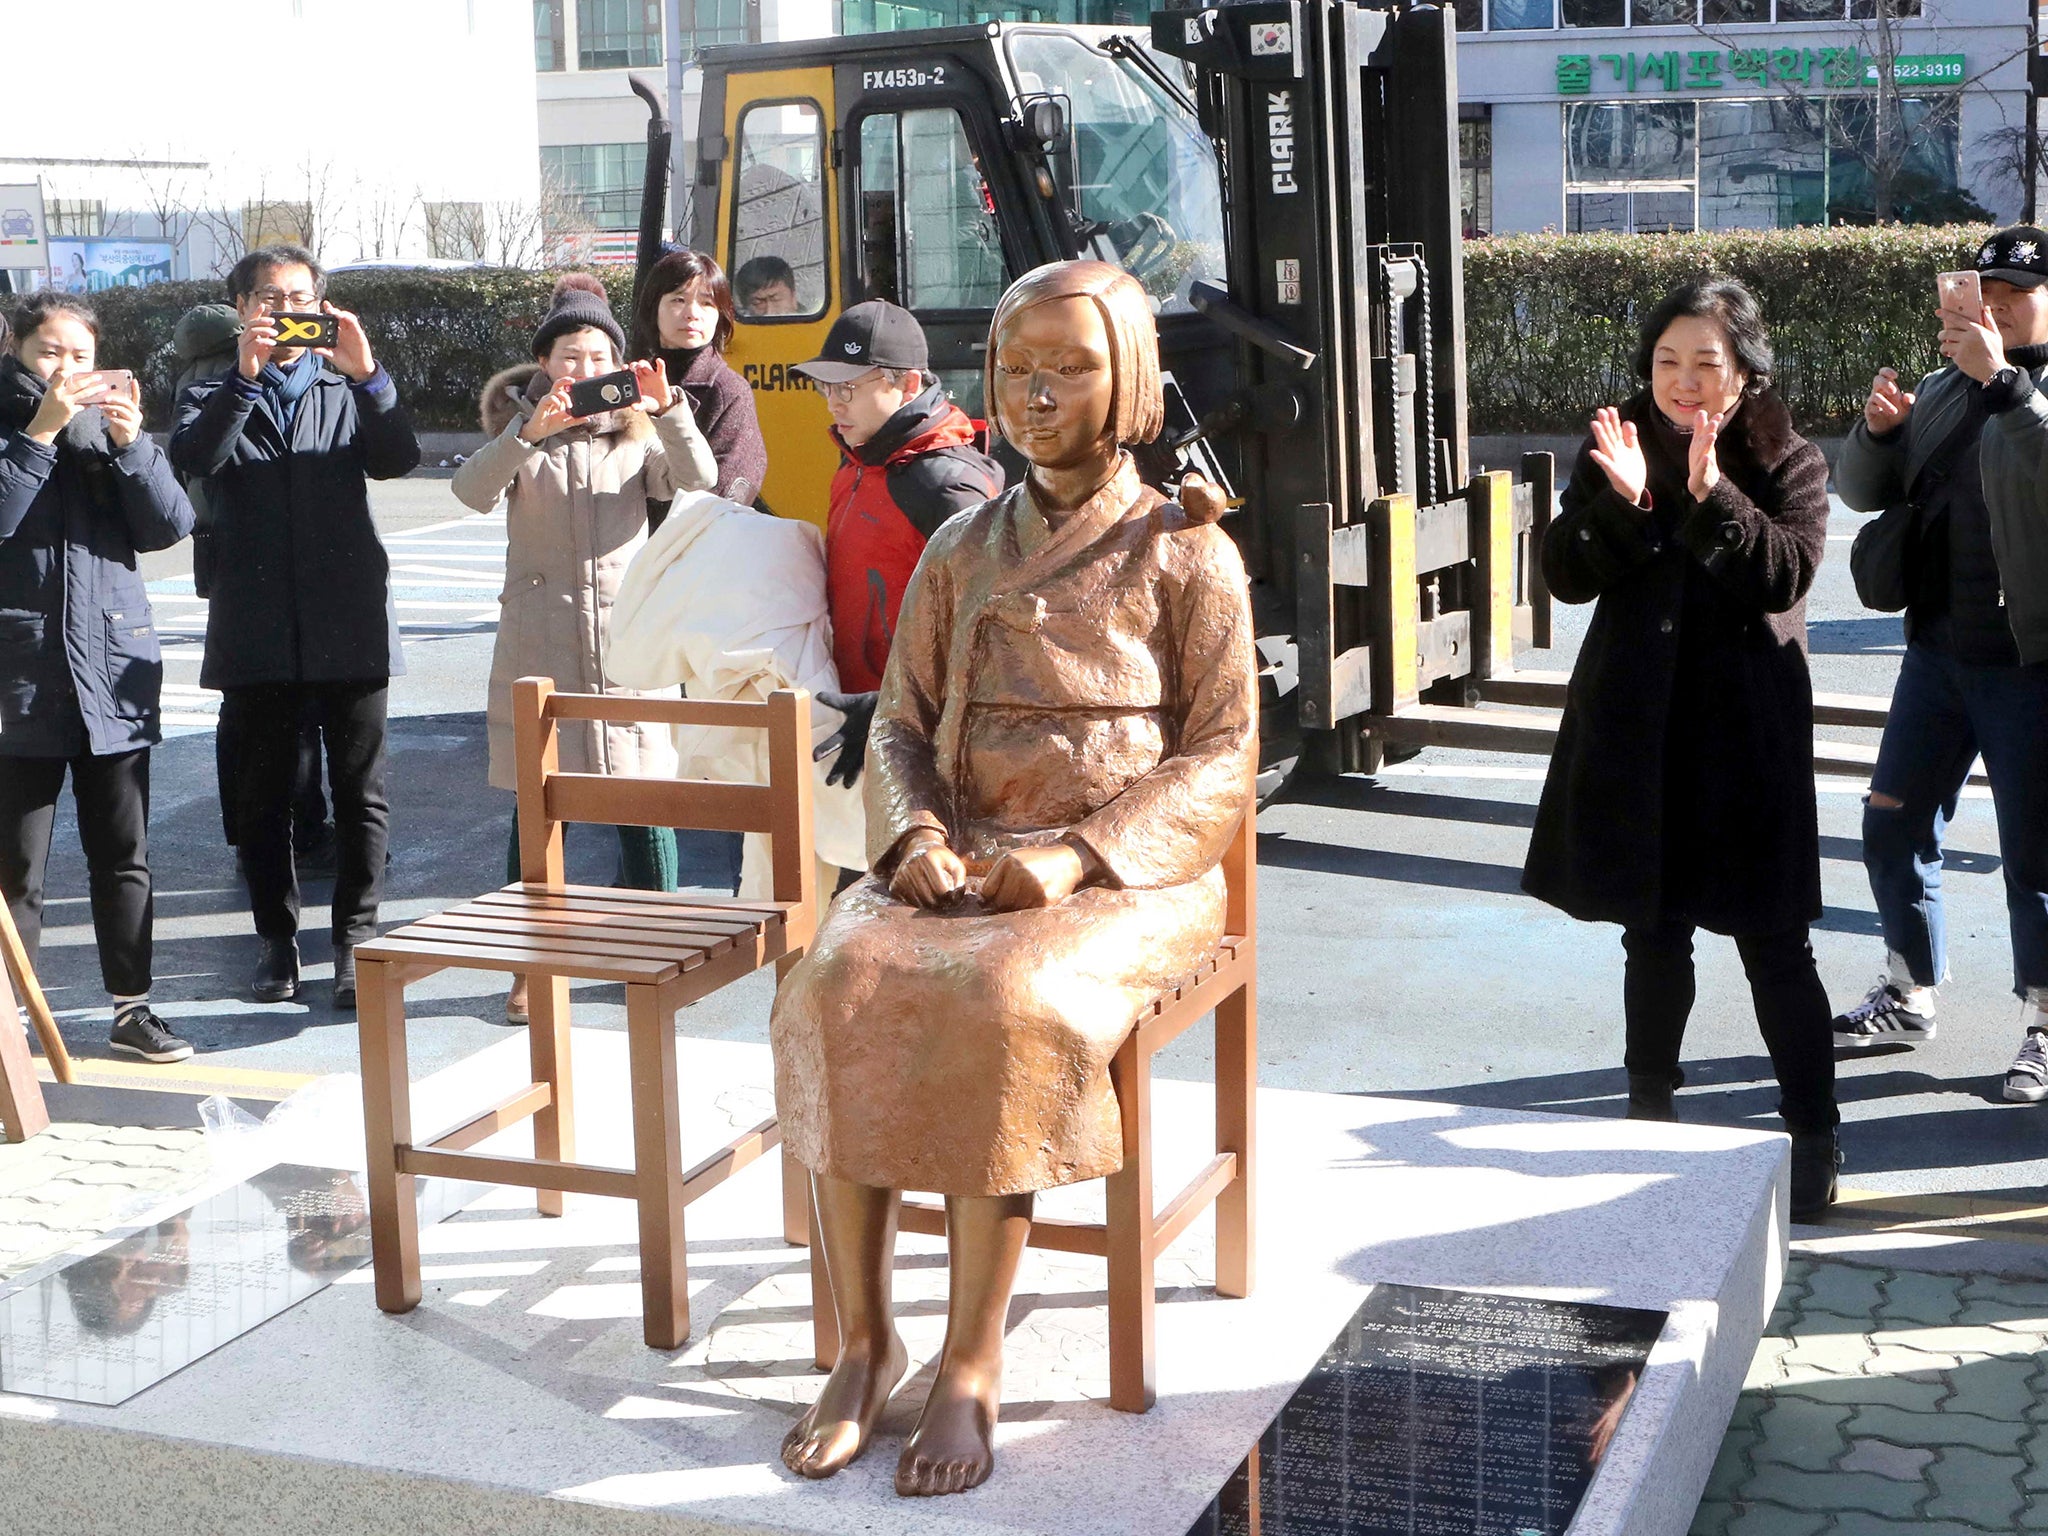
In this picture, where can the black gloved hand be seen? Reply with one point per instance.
(850, 741)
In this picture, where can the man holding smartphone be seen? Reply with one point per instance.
(1968, 452)
(301, 619)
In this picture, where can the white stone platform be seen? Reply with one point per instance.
(518, 1399)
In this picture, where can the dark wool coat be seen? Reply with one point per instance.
(301, 583)
(80, 668)
(723, 404)
(1681, 789)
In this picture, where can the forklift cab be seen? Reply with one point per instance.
(845, 169)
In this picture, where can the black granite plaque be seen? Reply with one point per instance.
(1443, 1413)
(107, 1324)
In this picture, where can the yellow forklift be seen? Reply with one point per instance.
(1282, 177)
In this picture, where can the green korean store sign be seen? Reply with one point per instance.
(1718, 69)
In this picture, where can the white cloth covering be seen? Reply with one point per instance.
(730, 603)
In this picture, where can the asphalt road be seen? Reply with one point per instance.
(1397, 955)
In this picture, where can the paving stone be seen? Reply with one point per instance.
(1767, 1367)
(1712, 1517)
(2034, 1517)
(1755, 1519)
(1800, 1432)
(2035, 1479)
(1975, 1487)
(1997, 1312)
(2002, 1436)
(1853, 1523)
(1849, 1290)
(1929, 1301)
(1827, 1492)
(1919, 1391)
(1833, 1354)
(1894, 1359)
(1996, 1386)
(2018, 1293)
(1903, 1463)
(1733, 1465)
(1957, 1341)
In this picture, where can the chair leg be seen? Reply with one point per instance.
(547, 1038)
(387, 1126)
(796, 1201)
(1237, 1087)
(824, 1310)
(1131, 1300)
(658, 1170)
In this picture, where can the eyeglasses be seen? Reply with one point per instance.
(277, 298)
(839, 394)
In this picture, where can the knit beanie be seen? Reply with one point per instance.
(579, 304)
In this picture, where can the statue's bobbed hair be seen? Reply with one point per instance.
(1138, 407)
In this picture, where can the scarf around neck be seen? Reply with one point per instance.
(284, 388)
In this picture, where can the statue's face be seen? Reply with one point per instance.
(1055, 384)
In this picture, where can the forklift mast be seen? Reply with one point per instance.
(1282, 175)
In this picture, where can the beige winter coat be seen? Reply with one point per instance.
(575, 515)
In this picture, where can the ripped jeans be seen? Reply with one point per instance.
(1944, 712)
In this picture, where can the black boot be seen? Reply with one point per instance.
(1815, 1157)
(344, 976)
(1649, 1096)
(277, 973)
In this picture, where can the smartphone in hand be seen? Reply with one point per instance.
(113, 384)
(606, 392)
(320, 330)
(1960, 293)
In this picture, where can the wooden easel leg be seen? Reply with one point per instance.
(1131, 1300)
(547, 1038)
(22, 1112)
(30, 991)
(658, 1169)
(1237, 1087)
(387, 1126)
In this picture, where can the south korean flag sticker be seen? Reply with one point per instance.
(1272, 39)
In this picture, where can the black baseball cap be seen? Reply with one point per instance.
(2018, 255)
(876, 334)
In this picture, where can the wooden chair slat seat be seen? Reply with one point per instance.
(668, 949)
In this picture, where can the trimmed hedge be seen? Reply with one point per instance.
(441, 334)
(1550, 320)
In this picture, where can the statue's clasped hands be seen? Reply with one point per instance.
(930, 874)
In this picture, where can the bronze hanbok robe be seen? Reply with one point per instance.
(1096, 681)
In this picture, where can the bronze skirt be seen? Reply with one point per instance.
(966, 1052)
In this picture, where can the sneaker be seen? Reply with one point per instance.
(2026, 1080)
(138, 1032)
(1885, 1017)
(1816, 1155)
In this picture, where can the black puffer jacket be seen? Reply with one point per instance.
(80, 667)
(1682, 784)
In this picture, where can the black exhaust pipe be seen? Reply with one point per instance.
(653, 182)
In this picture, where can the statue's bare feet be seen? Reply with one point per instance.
(953, 1447)
(837, 1427)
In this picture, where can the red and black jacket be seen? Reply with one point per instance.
(889, 496)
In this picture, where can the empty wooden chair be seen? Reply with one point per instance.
(667, 950)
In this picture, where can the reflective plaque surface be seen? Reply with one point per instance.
(113, 1322)
(1443, 1413)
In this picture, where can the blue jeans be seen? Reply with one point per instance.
(1944, 713)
